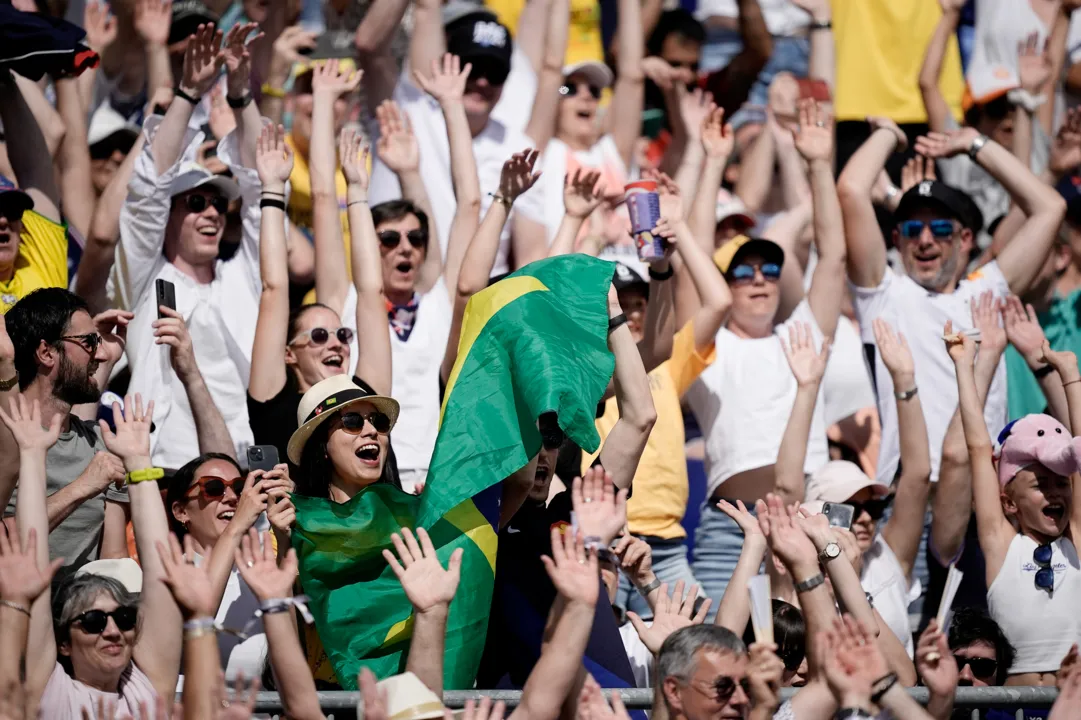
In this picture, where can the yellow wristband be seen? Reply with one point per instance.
(138, 476)
(272, 91)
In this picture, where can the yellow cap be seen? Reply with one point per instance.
(726, 254)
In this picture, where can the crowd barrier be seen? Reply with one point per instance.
(343, 704)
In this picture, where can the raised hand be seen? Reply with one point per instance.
(152, 21)
(353, 155)
(896, 356)
(884, 123)
(1070, 664)
(1066, 147)
(986, 313)
(673, 612)
(252, 501)
(273, 157)
(764, 673)
(635, 559)
(190, 585)
(817, 528)
(21, 581)
(695, 107)
(100, 25)
(718, 138)
(112, 325)
(601, 510)
(593, 706)
(238, 58)
(1023, 329)
(851, 661)
(664, 75)
(1064, 362)
(581, 192)
(203, 59)
(743, 517)
(572, 568)
(132, 437)
(447, 81)
(934, 661)
(24, 422)
(808, 366)
(171, 330)
(961, 347)
(427, 585)
(671, 200)
(397, 145)
(374, 697)
(946, 144)
(785, 536)
(292, 40)
(259, 567)
(814, 137)
(916, 170)
(1033, 64)
(331, 79)
(517, 175)
(242, 704)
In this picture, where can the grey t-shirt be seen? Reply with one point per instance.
(76, 539)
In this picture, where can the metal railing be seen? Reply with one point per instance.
(343, 704)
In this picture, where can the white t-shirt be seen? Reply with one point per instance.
(491, 148)
(920, 314)
(890, 590)
(846, 386)
(783, 17)
(640, 657)
(415, 379)
(743, 400)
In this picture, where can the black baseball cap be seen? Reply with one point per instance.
(937, 194)
(625, 278)
(188, 15)
(475, 35)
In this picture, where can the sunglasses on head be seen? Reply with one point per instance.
(940, 229)
(875, 508)
(981, 667)
(1045, 576)
(95, 621)
(571, 89)
(319, 335)
(213, 487)
(745, 272)
(197, 203)
(88, 342)
(353, 422)
(391, 239)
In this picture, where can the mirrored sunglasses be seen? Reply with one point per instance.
(745, 273)
(940, 229)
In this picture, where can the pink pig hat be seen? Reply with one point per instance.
(1037, 439)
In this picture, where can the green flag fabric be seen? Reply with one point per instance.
(535, 342)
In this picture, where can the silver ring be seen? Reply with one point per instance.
(225, 703)
(820, 124)
(251, 564)
(589, 500)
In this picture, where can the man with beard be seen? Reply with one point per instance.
(62, 357)
(932, 224)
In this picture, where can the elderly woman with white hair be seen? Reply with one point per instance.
(90, 644)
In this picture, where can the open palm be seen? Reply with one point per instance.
(273, 156)
(427, 584)
(23, 419)
(21, 580)
(397, 145)
(447, 80)
(814, 138)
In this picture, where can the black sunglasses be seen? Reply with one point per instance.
(981, 667)
(494, 71)
(94, 621)
(13, 213)
(89, 342)
(197, 203)
(319, 335)
(392, 238)
(353, 422)
(571, 89)
(1045, 576)
(725, 687)
(875, 508)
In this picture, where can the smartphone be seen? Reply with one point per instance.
(839, 514)
(166, 295)
(262, 457)
(816, 90)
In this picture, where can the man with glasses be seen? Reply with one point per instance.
(982, 656)
(475, 35)
(171, 228)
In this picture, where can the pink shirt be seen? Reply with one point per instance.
(65, 697)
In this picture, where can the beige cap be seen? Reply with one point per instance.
(124, 570)
(839, 480)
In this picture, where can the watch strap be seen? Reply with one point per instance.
(810, 583)
(821, 25)
(976, 146)
(239, 103)
(906, 394)
(615, 322)
(177, 92)
(1040, 373)
(832, 551)
(882, 686)
(12, 381)
(661, 276)
(145, 475)
(645, 590)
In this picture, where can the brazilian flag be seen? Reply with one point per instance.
(535, 342)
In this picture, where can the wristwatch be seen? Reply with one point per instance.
(976, 146)
(832, 551)
(645, 590)
(810, 583)
(239, 103)
(11, 382)
(906, 394)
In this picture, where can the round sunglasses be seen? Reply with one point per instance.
(197, 203)
(391, 239)
(353, 422)
(94, 622)
(212, 487)
(319, 336)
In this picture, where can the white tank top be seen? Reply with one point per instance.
(1040, 625)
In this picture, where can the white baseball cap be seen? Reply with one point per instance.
(105, 122)
(597, 73)
(125, 570)
(192, 175)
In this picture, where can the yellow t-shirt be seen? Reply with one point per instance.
(42, 261)
(300, 204)
(660, 485)
(583, 34)
(879, 48)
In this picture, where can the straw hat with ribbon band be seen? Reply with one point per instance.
(408, 699)
(327, 398)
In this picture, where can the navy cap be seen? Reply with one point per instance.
(935, 193)
(625, 277)
(480, 39)
(10, 195)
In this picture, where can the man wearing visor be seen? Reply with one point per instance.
(472, 33)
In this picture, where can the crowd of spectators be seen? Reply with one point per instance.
(239, 241)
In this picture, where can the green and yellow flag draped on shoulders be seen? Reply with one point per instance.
(535, 342)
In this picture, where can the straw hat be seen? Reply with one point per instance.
(324, 400)
(407, 699)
